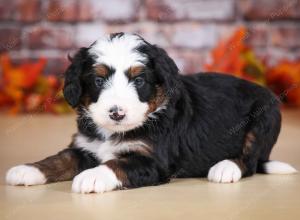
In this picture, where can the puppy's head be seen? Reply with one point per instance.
(120, 80)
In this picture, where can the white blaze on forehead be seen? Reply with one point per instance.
(119, 52)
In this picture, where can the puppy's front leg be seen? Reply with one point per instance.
(60, 167)
(130, 170)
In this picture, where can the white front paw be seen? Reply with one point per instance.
(99, 179)
(225, 171)
(25, 175)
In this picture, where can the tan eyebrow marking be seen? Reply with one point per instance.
(101, 70)
(135, 70)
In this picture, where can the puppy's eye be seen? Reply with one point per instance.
(99, 81)
(139, 82)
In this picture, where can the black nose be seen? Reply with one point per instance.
(116, 113)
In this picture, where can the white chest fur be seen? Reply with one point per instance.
(107, 150)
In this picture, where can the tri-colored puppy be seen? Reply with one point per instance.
(140, 123)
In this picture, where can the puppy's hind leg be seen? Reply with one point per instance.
(261, 135)
(232, 170)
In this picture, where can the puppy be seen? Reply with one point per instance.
(141, 123)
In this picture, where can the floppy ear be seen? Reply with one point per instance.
(164, 67)
(72, 87)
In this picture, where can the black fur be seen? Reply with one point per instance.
(74, 87)
(209, 118)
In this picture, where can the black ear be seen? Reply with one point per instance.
(72, 87)
(164, 67)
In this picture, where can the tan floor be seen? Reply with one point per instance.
(29, 138)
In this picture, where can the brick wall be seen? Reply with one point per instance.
(188, 29)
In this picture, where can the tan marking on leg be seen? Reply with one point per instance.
(60, 167)
(120, 173)
(250, 138)
(247, 149)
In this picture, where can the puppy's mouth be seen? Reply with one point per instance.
(121, 126)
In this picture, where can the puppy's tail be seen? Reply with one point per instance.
(276, 167)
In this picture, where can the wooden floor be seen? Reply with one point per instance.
(30, 138)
